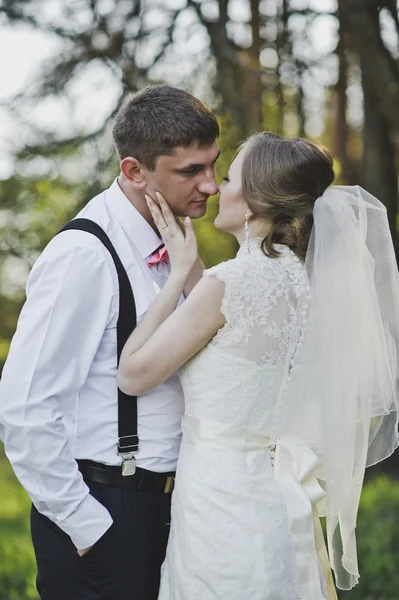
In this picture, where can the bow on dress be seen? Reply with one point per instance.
(294, 467)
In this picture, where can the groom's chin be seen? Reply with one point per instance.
(196, 211)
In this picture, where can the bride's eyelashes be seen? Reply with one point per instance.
(226, 179)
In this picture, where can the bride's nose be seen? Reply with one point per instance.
(221, 186)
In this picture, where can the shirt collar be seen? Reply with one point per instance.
(133, 223)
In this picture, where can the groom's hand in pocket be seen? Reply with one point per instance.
(100, 545)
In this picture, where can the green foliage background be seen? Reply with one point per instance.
(17, 564)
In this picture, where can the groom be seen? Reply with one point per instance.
(101, 502)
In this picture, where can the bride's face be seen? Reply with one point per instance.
(232, 206)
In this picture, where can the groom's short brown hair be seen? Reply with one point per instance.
(159, 118)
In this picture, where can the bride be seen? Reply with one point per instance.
(288, 361)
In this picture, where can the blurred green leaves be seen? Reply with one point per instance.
(17, 564)
(378, 542)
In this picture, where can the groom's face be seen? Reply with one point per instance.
(185, 178)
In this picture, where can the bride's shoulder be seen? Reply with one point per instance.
(252, 269)
(230, 271)
(222, 269)
(236, 273)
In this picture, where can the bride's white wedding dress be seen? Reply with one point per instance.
(234, 533)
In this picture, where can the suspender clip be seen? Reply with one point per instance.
(129, 464)
(128, 446)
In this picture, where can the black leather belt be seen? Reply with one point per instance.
(142, 479)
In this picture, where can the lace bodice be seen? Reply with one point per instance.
(249, 353)
(259, 303)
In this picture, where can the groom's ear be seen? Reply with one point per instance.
(133, 171)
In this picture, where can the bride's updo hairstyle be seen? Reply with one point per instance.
(281, 180)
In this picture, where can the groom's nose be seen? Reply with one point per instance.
(208, 185)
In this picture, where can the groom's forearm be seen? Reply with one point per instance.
(194, 277)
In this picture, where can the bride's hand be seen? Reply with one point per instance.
(179, 238)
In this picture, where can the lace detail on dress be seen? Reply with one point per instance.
(260, 302)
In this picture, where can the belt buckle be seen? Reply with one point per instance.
(128, 465)
(169, 484)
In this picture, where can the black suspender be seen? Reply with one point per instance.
(128, 441)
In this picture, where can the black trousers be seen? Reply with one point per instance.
(125, 562)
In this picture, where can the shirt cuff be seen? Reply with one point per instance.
(88, 523)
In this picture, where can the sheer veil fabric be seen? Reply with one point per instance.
(340, 394)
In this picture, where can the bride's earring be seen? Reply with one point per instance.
(247, 231)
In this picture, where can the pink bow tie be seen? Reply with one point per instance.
(159, 256)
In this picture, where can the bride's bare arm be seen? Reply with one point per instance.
(194, 277)
(158, 347)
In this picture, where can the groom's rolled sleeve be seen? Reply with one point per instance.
(70, 301)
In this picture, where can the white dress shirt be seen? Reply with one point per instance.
(58, 392)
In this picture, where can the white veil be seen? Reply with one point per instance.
(341, 394)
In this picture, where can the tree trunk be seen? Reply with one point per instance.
(238, 81)
(255, 66)
(379, 173)
(380, 68)
(282, 41)
(341, 126)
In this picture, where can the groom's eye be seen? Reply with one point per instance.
(192, 171)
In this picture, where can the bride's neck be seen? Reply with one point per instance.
(256, 229)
